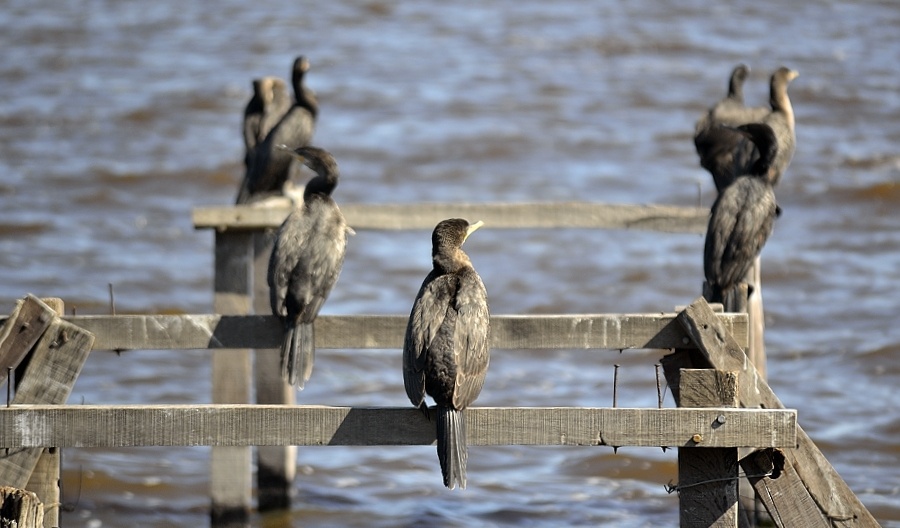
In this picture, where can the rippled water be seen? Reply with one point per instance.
(119, 118)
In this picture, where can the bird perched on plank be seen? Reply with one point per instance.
(740, 222)
(725, 152)
(446, 349)
(731, 110)
(305, 264)
(272, 166)
(269, 103)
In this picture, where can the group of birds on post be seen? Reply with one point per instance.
(746, 150)
(446, 347)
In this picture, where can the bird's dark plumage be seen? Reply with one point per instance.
(730, 110)
(446, 349)
(305, 264)
(741, 220)
(269, 103)
(271, 167)
(725, 153)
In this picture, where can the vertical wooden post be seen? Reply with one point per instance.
(51, 371)
(44, 479)
(230, 471)
(708, 477)
(275, 465)
(20, 508)
(757, 349)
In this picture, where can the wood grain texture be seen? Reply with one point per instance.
(569, 331)
(230, 472)
(708, 479)
(825, 485)
(55, 364)
(785, 498)
(242, 425)
(20, 508)
(21, 330)
(664, 218)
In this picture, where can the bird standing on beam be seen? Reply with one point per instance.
(305, 264)
(740, 222)
(446, 349)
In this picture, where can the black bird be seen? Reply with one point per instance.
(725, 152)
(730, 110)
(740, 222)
(446, 349)
(272, 166)
(305, 264)
(781, 119)
(269, 103)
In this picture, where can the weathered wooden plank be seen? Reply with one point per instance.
(20, 508)
(55, 364)
(664, 218)
(708, 479)
(230, 467)
(826, 486)
(44, 479)
(44, 482)
(574, 331)
(21, 330)
(784, 496)
(241, 425)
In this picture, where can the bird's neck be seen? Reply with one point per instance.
(780, 102)
(305, 96)
(322, 184)
(736, 92)
(450, 262)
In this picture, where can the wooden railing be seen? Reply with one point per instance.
(724, 405)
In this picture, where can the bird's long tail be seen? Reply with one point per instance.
(712, 292)
(298, 354)
(451, 446)
(732, 298)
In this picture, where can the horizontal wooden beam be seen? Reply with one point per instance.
(243, 425)
(664, 218)
(571, 331)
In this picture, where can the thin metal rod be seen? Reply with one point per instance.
(616, 386)
(112, 300)
(659, 394)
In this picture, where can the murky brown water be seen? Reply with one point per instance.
(119, 118)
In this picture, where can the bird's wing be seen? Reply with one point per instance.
(320, 260)
(471, 344)
(716, 147)
(722, 219)
(285, 256)
(425, 320)
(753, 226)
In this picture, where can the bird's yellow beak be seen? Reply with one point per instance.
(472, 228)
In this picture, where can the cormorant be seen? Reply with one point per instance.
(730, 110)
(446, 349)
(306, 262)
(271, 166)
(781, 119)
(726, 153)
(269, 103)
(740, 221)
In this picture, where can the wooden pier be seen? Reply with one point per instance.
(723, 402)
